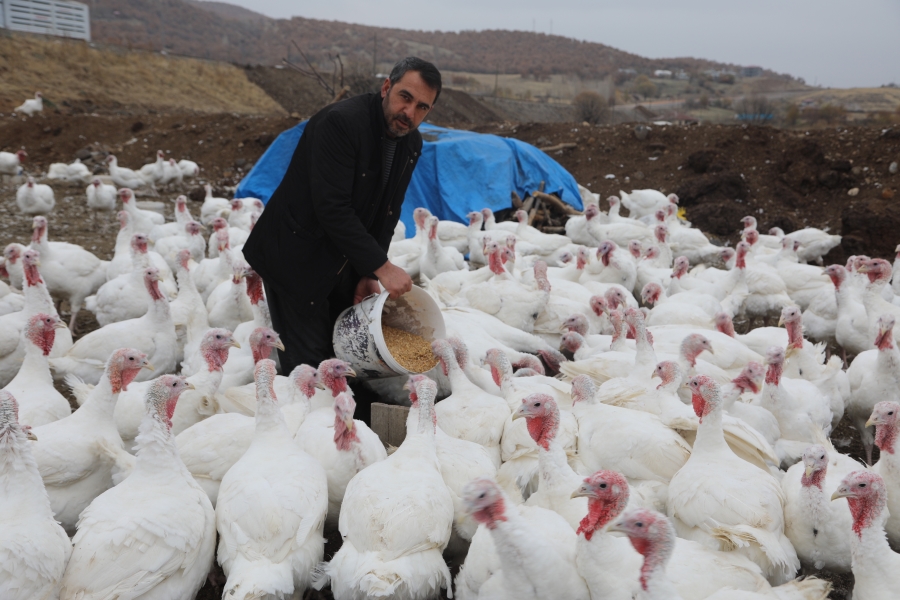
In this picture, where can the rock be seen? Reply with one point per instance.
(853, 191)
(84, 154)
(887, 193)
(240, 163)
(197, 194)
(641, 131)
(893, 168)
(136, 126)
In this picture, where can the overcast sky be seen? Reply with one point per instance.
(834, 43)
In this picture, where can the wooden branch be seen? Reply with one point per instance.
(345, 91)
(563, 146)
(541, 186)
(517, 202)
(556, 203)
(553, 229)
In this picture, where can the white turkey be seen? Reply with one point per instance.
(189, 169)
(39, 402)
(176, 227)
(123, 177)
(35, 198)
(31, 106)
(153, 334)
(72, 453)
(194, 405)
(343, 446)
(395, 521)
(34, 549)
(704, 495)
(438, 258)
(526, 556)
(886, 419)
(101, 196)
(876, 568)
(75, 172)
(11, 162)
(213, 207)
(469, 413)
(69, 270)
(153, 172)
(818, 527)
(641, 203)
(274, 481)
(143, 221)
(154, 534)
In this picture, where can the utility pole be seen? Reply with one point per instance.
(551, 26)
(375, 56)
(496, 79)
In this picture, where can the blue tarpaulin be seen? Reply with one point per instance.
(459, 171)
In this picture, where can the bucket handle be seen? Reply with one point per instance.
(364, 313)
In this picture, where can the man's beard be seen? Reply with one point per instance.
(396, 131)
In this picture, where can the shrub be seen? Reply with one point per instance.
(591, 107)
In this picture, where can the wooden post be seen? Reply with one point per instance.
(389, 422)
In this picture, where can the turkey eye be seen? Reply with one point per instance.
(602, 486)
(862, 485)
(890, 413)
(481, 495)
(130, 358)
(638, 524)
(538, 404)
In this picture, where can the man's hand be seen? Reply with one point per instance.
(365, 288)
(394, 279)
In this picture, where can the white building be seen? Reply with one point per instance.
(49, 17)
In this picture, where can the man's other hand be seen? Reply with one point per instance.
(365, 288)
(394, 279)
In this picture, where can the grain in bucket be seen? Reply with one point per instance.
(381, 337)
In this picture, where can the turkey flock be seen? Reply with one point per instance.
(595, 427)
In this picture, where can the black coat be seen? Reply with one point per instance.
(327, 214)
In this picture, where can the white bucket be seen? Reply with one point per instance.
(359, 339)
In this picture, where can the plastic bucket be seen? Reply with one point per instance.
(359, 339)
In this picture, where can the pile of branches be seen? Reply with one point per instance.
(545, 211)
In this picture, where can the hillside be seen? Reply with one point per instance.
(73, 76)
(217, 30)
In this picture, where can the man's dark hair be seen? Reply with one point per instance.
(429, 73)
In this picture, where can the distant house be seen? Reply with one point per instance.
(682, 75)
(752, 71)
(662, 74)
(49, 17)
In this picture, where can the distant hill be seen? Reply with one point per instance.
(220, 31)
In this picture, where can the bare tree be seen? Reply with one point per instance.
(755, 109)
(336, 89)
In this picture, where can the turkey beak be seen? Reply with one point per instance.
(190, 386)
(29, 434)
(839, 493)
(407, 386)
(520, 413)
(781, 320)
(148, 366)
(863, 269)
(872, 421)
(617, 526)
(655, 375)
(278, 345)
(710, 349)
(234, 344)
(60, 325)
(810, 470)
(348, 422)
(350, 372)
(157, 277)
(582, 492)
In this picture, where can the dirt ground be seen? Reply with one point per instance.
(721, 173)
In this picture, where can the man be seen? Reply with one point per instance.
(321, 244)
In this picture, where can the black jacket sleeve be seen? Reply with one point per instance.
(332, 169)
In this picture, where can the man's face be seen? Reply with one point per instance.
(406, 103)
